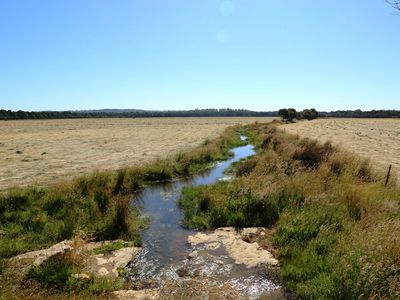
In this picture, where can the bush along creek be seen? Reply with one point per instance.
(278, 217)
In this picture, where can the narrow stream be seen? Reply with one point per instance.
(165, 247)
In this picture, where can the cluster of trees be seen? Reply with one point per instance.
(361, 114)
(223, 112)
(289, 114)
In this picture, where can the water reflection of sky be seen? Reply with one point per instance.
(165, 239)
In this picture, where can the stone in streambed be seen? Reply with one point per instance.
(183, 272)
(107, 265)
(146, 294)
(250, 254)
(193, 254)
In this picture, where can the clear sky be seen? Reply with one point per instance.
(185, 54)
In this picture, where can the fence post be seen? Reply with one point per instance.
(388, 175)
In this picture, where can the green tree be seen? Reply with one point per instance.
(314, 113)
(288, 114)
(284, 114)
(292, 114)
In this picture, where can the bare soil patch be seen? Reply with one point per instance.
(45, 151)
(375, 139)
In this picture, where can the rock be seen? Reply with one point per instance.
(107, 265)
(81, 276)
(248, 253)
(146, 294)
(183, 272)
(193, 254)
(40, 256)
(102, 272)
(213, 245)
(249, 231)
(101, 265)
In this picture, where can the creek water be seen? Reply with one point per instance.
(165, 246)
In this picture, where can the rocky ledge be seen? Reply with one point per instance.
(248, 246)
(106, 264)
(241, 245)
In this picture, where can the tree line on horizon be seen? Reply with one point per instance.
(222, 112)
(286, 113)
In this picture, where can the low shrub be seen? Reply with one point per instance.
(244, 167)
(53, 273)
(122, 222)
(160, 171)
(119, 187)
(102, 200)
(311, 153)
(133, 180)
(2, 266)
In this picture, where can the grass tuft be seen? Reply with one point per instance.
(53, 273)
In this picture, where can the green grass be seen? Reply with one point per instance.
(336, 224)
(55, 275)
(115, 246)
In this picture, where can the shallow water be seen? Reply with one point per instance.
(165, 247)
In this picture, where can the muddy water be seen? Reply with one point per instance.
(165, 249)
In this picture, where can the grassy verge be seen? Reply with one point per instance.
(336, 224)
(97, 204)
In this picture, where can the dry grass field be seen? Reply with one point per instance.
(376, 139)
(44, 151)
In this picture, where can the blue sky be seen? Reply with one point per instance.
(185, 54)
